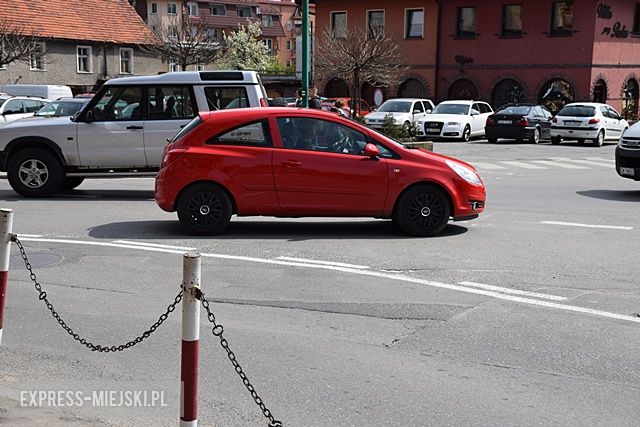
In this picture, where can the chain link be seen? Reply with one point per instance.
(42, 295)
(217, 331)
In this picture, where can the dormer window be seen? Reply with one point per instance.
(243, 12)
(267, 21)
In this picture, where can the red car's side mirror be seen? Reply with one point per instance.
(370, 150)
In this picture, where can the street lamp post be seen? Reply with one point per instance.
(305, 53)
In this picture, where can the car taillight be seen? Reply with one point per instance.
(491, 121)
(523, 122)
(594, 121)
(171, 155)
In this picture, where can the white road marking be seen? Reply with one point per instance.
(315, 261)
(369, 273)
(573, 224)
(523, 165)
(29, 235)
(154, 245)
(512, 291)
(487, 166)
(558, 164)
(600, 159)
(583, 162)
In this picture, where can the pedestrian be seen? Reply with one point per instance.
(314, 99)
(298, 97)
(338, 108)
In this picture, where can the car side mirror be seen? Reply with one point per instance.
(370, 150)
(417, 111)
(428, 111)
(88, 117)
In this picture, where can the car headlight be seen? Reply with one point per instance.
(464, 172)
(453, 123)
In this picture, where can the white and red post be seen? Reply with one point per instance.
(190, 340)
(6, 223)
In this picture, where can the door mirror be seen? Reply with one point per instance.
(428, 111)
(370, 150)
(417, 111)
(88, 117)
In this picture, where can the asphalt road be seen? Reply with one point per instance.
(525, 316)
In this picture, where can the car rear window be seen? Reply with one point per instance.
(578, 111)
(520, 110)
(221, 98)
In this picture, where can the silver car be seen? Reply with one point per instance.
(587, 121)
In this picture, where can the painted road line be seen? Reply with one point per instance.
(600, 159)
(369, 273)
(572, 224)
(582, 162)
(558, 164)
(28, 235)
(315, 261)
(488, 166)
(153, 245)
(523, 165)
(513, 291)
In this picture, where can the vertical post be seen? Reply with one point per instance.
(6, 223)
(190, 340)
(305, 53)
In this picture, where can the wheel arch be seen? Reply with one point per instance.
(432, 184)
(234, 205)
(25, 142)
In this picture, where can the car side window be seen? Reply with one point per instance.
(418, 106)
(613, 113)
(485, 108)
(475, 109)
(604, 111)
(170, 102)
(31, 105)
(13, 106)
(221, 98)
(255, 134)
(305, 133)
(119, 103)
(428, 105)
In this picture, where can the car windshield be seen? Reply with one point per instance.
(395, 107)
(59, 109)
(2, 100)
(578, 111)
(462, 109)
(521, 110)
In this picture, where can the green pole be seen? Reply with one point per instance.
(305, 53)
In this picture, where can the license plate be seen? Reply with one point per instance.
(432, 130)
(573, 123)
(504, 122)
(627, 171)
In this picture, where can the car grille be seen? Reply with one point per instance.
(630, 142)
(433, 127)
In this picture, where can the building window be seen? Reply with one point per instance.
(126, 61)
(83, 54)
(375, 23)
(172, 9)
(339, 25)
(289, 25)
(288, 63)
(562, 17)
(288, 44)
(36, 61)
(154, 8)
(267, 21)
(269, 44)
(2, 66)
(173, 66)
(199, 67)
(244, 12)
(636, 19)
(466, 22)
(512, 20)
(193, 9)
(414, 23)
(217, 10)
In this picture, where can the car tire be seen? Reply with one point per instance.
(466, 134)
(71, 183)
(535, 138)
(555, 140)
(204, 209)
(599, 140)
(422, 211)
(34, 172)
(492, 140)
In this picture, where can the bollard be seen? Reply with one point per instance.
(6, 222)
(190, 340)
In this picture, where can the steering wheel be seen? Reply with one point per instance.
(344, 145)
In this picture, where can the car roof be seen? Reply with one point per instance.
(7, 96)
(256, 113)
(407, 99)
(587, 104)
(70, 99)
(230, 77)
(458, 101)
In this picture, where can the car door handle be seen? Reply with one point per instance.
(292, 163)
(135, 127)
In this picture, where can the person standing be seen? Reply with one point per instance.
(314, 99)
(298, 97)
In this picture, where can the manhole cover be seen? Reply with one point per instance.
(37, 260)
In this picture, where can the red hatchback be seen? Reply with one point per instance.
(288, 162)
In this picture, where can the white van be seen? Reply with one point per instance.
(48, 92)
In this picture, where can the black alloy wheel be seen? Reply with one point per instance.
(204, 209)
(466, 133)
(423, 211)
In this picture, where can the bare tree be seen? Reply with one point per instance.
(185, 43)
(361, 56)
(17, 43)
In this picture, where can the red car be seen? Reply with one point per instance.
(288, 162)
(330, 102)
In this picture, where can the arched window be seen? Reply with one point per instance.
(630, 97)
(507, 91)
(463, 89)
(555, 94)
(336, 88)
(412, 88)
(600, 91)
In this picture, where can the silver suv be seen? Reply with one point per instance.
(121, 132)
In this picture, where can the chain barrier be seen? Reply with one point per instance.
(42, 295)
(217, 331)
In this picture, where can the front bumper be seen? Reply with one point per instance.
(447, 131)
(628, 163)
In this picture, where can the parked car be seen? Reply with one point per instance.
(587, 120)
(522, 122)
(18, 107)
(288, 162)
(404, 111)
(62, 107)
(48, 92)
(628, 153)
(365, 109)
(121, 132)
(455, 119)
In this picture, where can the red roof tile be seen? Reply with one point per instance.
(112, 21)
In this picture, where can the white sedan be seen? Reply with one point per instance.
(455, 119)
(404, 111)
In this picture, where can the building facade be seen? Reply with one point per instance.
(81, 49)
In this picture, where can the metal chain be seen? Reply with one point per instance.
(217, 331)
(42, 295)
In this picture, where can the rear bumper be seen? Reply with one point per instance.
(628, 163)
(515, 132)
(574, 133)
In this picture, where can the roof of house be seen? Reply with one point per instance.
(112, 21)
